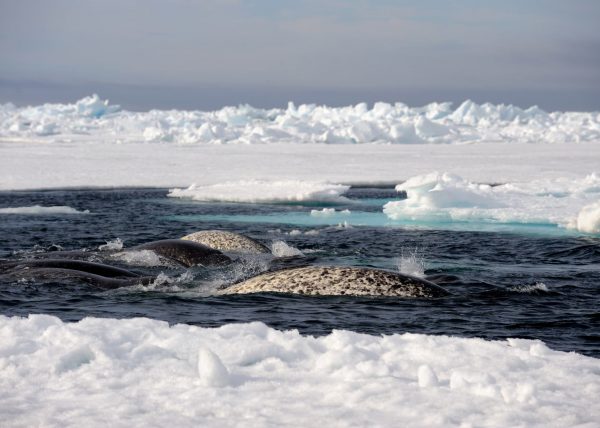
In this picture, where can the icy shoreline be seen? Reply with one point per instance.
(141, 371)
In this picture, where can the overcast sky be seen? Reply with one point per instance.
(209, 53)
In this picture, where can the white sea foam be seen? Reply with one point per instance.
(94, 118)
(264, 191)
(412, 262)
(297, 232)
(443, 197)
(283, 249)
(115, 244)
(108, 372)
(141, 258)
(167, 283)
(40, 210)
(538, 286)
(588, 219)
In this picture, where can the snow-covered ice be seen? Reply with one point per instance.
(264, 191)
(441, 197)
(142, 372)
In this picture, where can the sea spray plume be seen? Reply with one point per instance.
(411, 262)
(282, 249)
(114, 245)
(244, 266)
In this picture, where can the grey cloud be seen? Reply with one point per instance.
(398, 45)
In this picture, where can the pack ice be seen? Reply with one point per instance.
(95, 119)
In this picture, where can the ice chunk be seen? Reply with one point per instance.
(588, 219)
(40, 210)
(95, 107)
(264, 191)
(425, 128)
(427, 376)
(433, 194)
(443, 197)
(211, 370)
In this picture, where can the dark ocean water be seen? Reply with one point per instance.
(535, 284)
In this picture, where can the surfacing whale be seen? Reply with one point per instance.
(66, 264)
(186, 253)
(96, 274)
(227, 241)
(337, 281)
(57, 274)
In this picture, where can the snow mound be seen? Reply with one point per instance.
(109, 372)
(443, 197)
(254, 191)
(92, 118)
(40, 210)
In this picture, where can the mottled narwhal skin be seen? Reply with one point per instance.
(336, 281)
(186, 253)
(227, 241)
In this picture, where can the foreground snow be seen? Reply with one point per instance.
(141, 372)
(92, 118)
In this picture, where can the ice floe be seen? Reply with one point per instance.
(264, 191)
(41, 210)
(444, 197)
